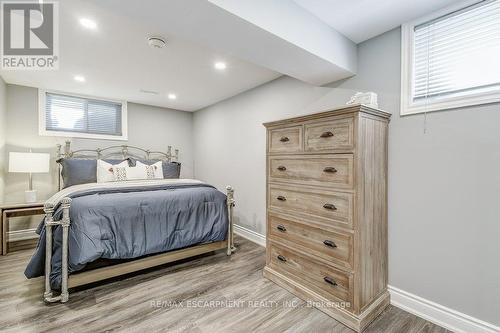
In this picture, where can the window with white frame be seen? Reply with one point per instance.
(70, 115)
(451, 59)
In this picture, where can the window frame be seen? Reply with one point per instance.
(408, 106)
(42, 124)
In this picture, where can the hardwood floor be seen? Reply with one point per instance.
(170, 298)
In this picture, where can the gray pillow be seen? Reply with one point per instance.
(77, 171)
(170, 169)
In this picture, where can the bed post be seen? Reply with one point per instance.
(65, 222)
(49, 223)
(67, 148)
(230, 231)
(59, 155)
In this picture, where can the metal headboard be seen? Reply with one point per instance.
(118, 151)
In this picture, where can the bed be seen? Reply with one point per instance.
(95, 231)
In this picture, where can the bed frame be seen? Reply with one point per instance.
(102, 273)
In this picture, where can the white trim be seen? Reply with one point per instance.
(407, 42)
(19, 235)
(44, 132)
(250, 235)
(438, 314)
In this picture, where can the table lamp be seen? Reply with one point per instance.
(29, 163)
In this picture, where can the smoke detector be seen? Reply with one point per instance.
(156, 42)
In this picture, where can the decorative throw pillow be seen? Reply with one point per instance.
(76, 171)
(150, 172)
(133, 173)
(120, 173)
(157, 169)
(105, 171)
(170, 169)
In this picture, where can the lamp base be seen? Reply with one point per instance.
(30, 196)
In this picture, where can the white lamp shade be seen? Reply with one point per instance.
(29, 162)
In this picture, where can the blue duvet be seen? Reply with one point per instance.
(130, 222)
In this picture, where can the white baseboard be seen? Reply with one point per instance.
(250, 235)
(436, 313)
(19, 235)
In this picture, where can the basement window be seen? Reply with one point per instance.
(451, 58)
(70, 115)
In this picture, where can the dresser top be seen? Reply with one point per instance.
(332, 112)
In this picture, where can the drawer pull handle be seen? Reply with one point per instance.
(281, 258)
(330, 170)
(329, 207)
(281, 228)
(284, 139)
(330, 280)
(281, 198)
(329, 243)
(326, 134)
(281, 168)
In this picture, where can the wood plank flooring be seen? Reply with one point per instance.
(170, 298)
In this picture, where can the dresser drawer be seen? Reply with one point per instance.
(285, 140)
(316, 276)
(330, 135)
(332, 246)
(322, 170)
(332, 208)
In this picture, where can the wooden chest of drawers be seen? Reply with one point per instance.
(327, 211)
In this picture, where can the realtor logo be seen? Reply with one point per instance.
(29, 35)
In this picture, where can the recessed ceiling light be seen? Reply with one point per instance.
(220, 65)
(172, 96)
(79, 78)
(88, 23)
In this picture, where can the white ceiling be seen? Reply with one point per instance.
(360, 20)
(276, 34)
(117, 63)
(298, 44)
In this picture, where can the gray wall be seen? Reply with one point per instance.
(443, 184)
(230, 142)
(3, 135)
(148, 127)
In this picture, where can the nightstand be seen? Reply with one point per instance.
(15, 210)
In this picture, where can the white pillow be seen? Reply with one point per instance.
(133, 173)
(105, 171)
(158, 168)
